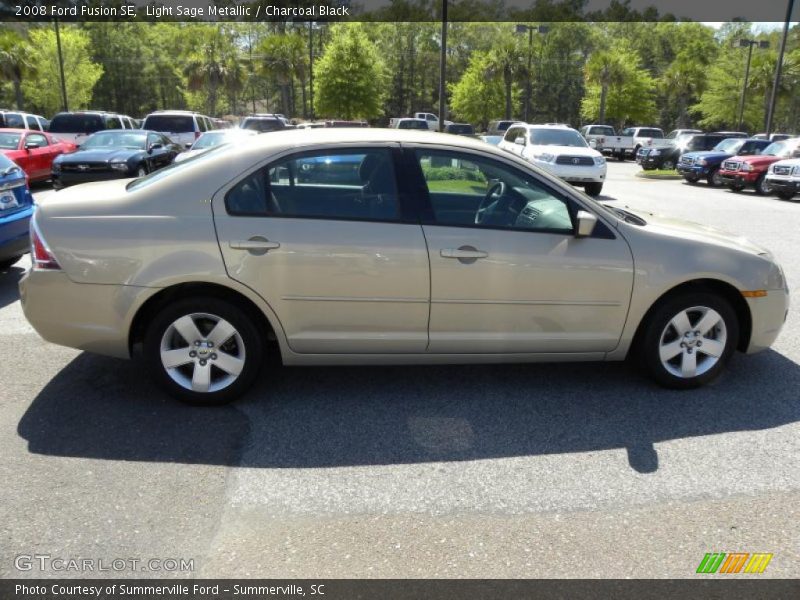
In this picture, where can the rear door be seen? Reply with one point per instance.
(325, 239)
(507, 273)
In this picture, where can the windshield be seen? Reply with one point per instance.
(9, 141)
(7, 165)
(776, 149)
(729, 146)
(209, 140)
(557, 137)
(116, 139)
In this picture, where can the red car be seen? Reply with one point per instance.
(739, 172)
(34, 151)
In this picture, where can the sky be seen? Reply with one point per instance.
(769, 26)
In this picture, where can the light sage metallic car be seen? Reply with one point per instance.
(371, 246)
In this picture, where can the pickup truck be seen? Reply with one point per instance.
(627, 144)
(430, 119)
(596, 135)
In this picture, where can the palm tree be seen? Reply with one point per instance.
(508, 59)
(605, 68)
(14, 62)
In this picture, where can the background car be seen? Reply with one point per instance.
(494, 140)
(411, 123)
(264, 123)
(181, 126)
(213, 138)
(76, 126)
(34, 151)
(460, 129)
(740, 172)
(499, 126)
(16, 208)
(10, 119)
(114, 154)
(559, 150)
(783, 178)
(667, 157)
(694, 166)
(390, 267)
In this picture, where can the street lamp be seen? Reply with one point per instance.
(530, 29)
(749, 44)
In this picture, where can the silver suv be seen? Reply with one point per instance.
(181, 126)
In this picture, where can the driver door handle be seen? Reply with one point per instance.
(463, 252)
(254, 244)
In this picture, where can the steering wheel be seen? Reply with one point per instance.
(498, 188)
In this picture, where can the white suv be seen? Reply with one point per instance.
(560, 150)
(181, 126)
(783, 178)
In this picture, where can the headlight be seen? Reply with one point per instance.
(655, 152)
(544, 157)
(702, 162)
(119, 166)
(746, 167)
(599, 160)
(796, 171)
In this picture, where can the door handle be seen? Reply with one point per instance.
(254, 244)
(463, 252)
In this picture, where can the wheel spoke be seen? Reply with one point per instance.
(709, 320)
(221, 333)
(229, 363)
(188, 329)
(201, 378)
(681, 322)
(175, 358)
(689, 364)
(671, 350)
(712, 348)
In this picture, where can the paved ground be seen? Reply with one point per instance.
(503, 471)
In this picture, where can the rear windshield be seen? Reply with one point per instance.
(263, 125)
(76, 123)
(170, 123)
(412, 124)
(460, 129)
(601, 131)
(651, 133)
(12, 121)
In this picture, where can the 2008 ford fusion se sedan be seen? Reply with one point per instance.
(384, 247)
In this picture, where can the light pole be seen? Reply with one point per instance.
(749, 45)
(520, 29)
(777, 82)
(61, 68)
(443, 66)
(311, 69)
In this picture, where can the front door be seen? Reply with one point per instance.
(507, 273)
(320, 237)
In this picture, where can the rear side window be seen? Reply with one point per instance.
(76, 123)
(33, 123)
(14, 121)
(170, 123)
(113, 123)
(351, 185)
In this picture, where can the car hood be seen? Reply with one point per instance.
(708, 154)
(788, 162)
(99, 155)
(570, 150)
(758, 159)
(688, 230)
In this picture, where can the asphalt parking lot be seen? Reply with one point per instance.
(574, 470)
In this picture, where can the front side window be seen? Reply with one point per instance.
(466, 190)
(36, 138)
(353, 185)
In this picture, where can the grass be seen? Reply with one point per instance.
(659, 174)
(458, 186)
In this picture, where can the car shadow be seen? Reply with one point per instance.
(9, 285)
(103, 408)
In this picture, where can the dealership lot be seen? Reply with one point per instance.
(503, 471)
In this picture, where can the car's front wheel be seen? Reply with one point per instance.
(593, 189)
(688, 339)
(784, 195)
(668, 164)
(714, 179)
(763, 188)
(203, 351)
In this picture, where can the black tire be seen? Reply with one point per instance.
(712, 179)
(785, 195)
(691, 180)
(735, 187)
(243, 324)
(7, 263)
(762, 187)
(658, 325)
(668, 164)
(593, 189)
(620, 156)
(142, 170)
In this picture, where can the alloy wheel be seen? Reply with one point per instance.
(692, 342)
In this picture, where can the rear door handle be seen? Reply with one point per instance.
(255, 244)
(463, 252)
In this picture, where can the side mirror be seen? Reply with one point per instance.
(593, 143)
(520, 141)
(155, 146)
(187, 145)
(31, 145)
(585, 222)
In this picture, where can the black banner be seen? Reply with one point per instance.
(399, 589)
(392, 10)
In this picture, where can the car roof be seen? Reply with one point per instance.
(19, 130)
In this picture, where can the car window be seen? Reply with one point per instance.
(36, 138)
(557, 137)
(262, 124)
(33, 123)
(113, 123)
(651, 133)
(9, 141)
(627, 132)
(76, 123)
(352, 184)
(466, 190)
(14, 121)
(153, 138)
(170, 123)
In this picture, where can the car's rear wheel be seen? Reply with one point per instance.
(714, 179)
(688, 339)
(785, 195)
(593, 189)
(203, 351)
(736, 187)
(763, 187)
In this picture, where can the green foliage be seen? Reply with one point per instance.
(452, 173)
(42, 90)
(479, 96)
(351, 79)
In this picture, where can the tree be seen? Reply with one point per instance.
(507, 59)
(15, 61)
(477, 98)
(284, 56)
(617, 88)
(42, 90)
(351, 78)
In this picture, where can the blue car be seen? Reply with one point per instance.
(695, 166)
(16, 208)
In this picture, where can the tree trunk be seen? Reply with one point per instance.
(507, 81)
(18, 93)
(603, 95)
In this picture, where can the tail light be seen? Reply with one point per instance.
(40, 252)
